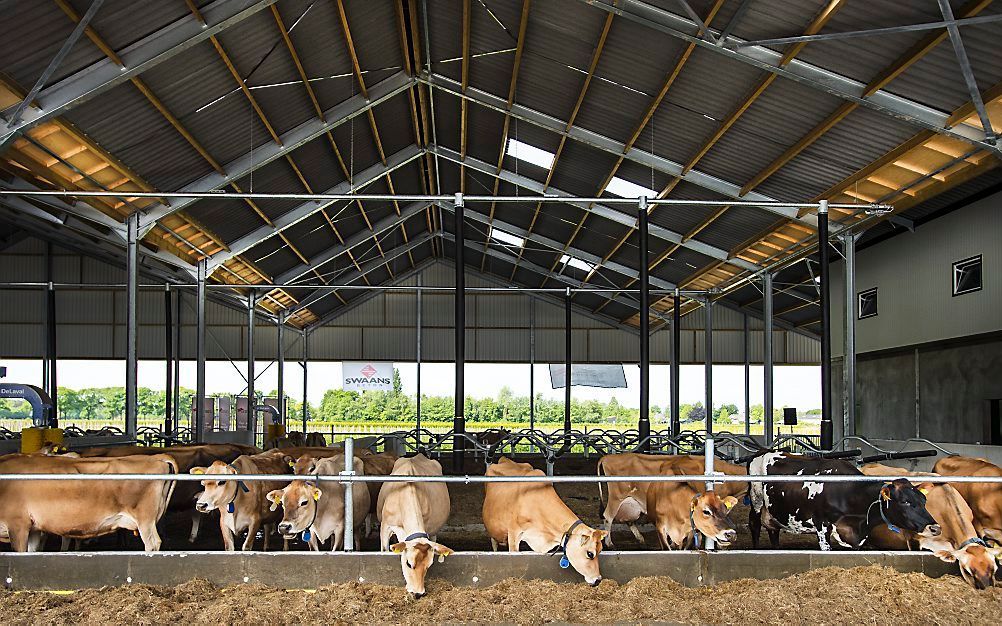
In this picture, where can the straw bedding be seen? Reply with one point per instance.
(865, 595)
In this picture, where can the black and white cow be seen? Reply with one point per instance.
(839, 513)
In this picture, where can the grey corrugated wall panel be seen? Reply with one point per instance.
(82, 307)
(336, 342)
(800, 349)
(20, 340)
(502, 310)
(22, 306)
(502, 345)
(388, 344)
(550, 345)
(86, 341)
(608, 345)
(401, 309)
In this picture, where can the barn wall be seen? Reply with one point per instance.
(952, 344)
(91, 323)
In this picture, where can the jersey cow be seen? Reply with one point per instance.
(533, 513)
(242, 505)
(985, 499)
(958, 541)
(317, 510)
(840, 513)
(413, 512)
(83, 510)
(685, 512)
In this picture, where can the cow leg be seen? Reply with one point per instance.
(36, 541)
(65, 544)
(252, 528)
(636, 532)
(151, 538)
(773, 537)
(384, 537)
(608, 531)
(494, 544)
(368, 525)
(513, 542)
(755, 526)
(822, 533)
(18, 537)
(196, 521)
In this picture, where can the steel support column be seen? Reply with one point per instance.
(169, 359)
(280, 331)
(708, 362)
(644, 425)
(251, 375)
(199, 424)
(417, 351)
(767, 357)
(532, 364)
(568, 363)
(849, 348)
(51, 382)
(824, 250)
(459, 419)
(676, 361)
(131, 324)
(177, 359)
(747, 346)
(306, 386)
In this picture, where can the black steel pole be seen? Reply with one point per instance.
(827, 428)
(169, 358)
(644, 424)
(568, 365)
(50, 339)
(676, 361)
(459, 420)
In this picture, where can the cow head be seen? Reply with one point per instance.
(416, 556)
(299, 502)
(582, 549)
(711, 516)
(217, 493)
(903, 504)
(305, 464)
(977, 563)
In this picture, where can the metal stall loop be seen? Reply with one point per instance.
(349, 506)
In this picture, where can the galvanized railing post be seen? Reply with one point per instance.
(349, 504)
(708, 470)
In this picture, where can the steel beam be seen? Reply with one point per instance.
(131, 326)
(676, 361)
(824, 252)
(966, 70)
(644, 424)
(459, 416)
(199, 426)
(608, 212)
(280, 359)
(849, 337)
(568, 363)
(143, 55)
(306, 388)
(300, 135)
(606, 144)
(251, 374)
(708, 362)
(870, 32)
(747, 371)
(806, 74)
(305, 210)
(767, 357)
(169, 361)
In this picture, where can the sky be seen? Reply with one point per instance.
(795, 386)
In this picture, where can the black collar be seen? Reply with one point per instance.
(562, 546)
(413, 536)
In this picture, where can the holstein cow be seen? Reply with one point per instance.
(413, 512)
(627, 502)
(79, 509)
(684, 513)
(843, 513)
(241, 505)
(985, 499)
(535, 514)
(958, 540)
(317, 510)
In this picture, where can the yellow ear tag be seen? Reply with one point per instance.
(198, 470)
(397, 550)
(441, 558)
(316, 495)
(923, 491)
(291, 464)
(729, 504)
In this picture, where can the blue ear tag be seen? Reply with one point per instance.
(306, 535)
(564, 563)
(229, 508)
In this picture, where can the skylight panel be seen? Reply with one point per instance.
(507, 238)
(626, 189)
(530, 154)
(576, 262)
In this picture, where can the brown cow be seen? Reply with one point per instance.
(413, 512)
(681, 510)
(957, 541)
(241, 505)
(318, 510)
(373, 464)
(985, 499)
(83, 509)
(535, 514)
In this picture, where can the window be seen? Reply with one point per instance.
(506, 238)
(626, 189)
(967, 275)
(529, 154)
(866, 303)
(575, 262)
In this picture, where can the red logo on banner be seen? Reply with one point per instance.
(368, 371)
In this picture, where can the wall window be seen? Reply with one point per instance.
(866, 303)
(967, 275)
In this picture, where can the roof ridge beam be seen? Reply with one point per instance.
(612, 146)
(308, 208)
(145, 54)
(615, 215)
(807, 74)
(291, 140)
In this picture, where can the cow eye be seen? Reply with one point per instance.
(591, 555)
(302, 503)
(409, 565)
(706, 512)
(219, 483)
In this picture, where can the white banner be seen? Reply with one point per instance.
(604, 376)
(367, 376)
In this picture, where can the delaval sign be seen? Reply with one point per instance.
(367, 376)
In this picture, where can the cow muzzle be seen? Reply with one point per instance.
(416, 595)
(932, 530)
(202, 507)
(595, 582)
(285, 528)
(728, 536)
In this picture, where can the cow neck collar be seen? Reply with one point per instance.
(973, 540)
(419, 535)
(697, 537)
(562, 546)
(879, 503)
(241, 486)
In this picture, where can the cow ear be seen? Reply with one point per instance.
(275, 497)
(291, 462)
(925, 488)
(441, 551)
(398, 547)
(197, 470)
(729, 502)
(885, 492)
(945, 555)
(317, 493)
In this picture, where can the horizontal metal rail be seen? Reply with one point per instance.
(351, 197)
(345, 287)
(466, 480)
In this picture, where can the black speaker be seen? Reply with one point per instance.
(789, 416)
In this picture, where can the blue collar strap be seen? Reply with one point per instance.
(697, 537)
(241, 486)
(413, 536)
(562, 547)
(975, 540)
